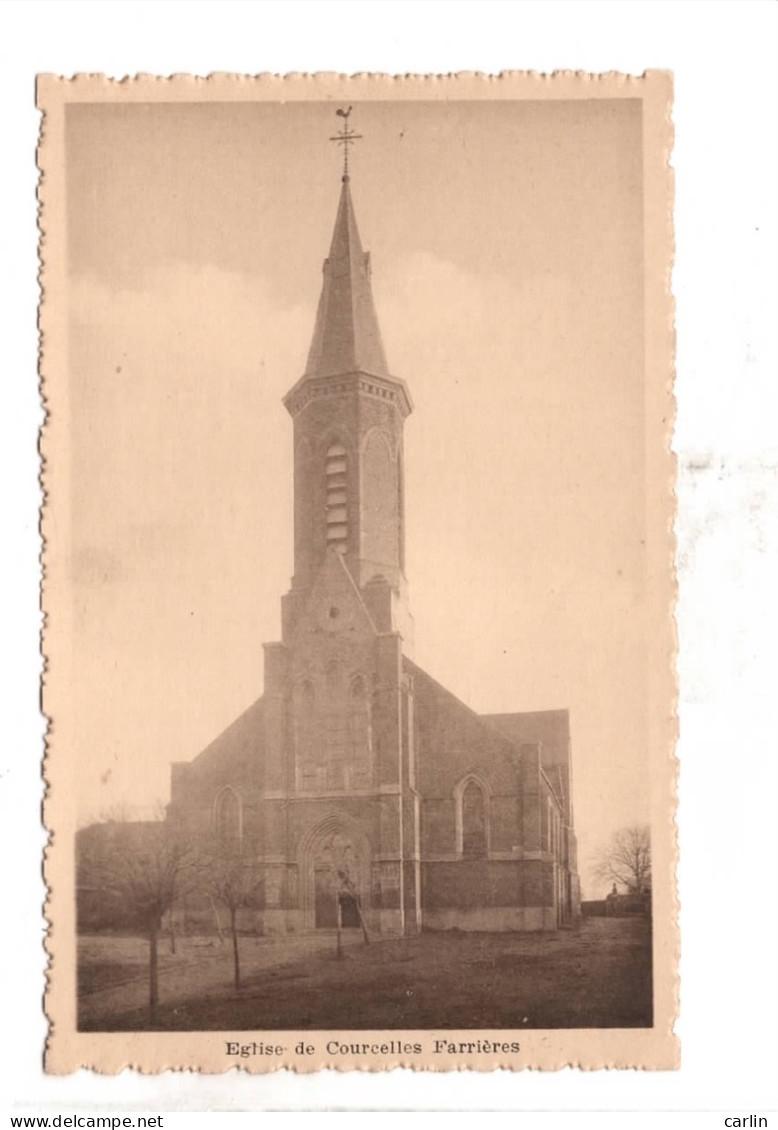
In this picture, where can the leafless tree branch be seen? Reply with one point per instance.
(626, 859)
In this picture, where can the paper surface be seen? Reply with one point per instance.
(520, 238)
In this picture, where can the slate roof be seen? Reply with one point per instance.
(549, 727)
(346, 337)
(237, 751)
(552, 729)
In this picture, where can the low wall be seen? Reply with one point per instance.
(491, 919)
(616, 905)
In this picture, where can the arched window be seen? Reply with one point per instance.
(335, 678)
(307, 697)
(337, 498)
(311, 765)
(228, 819)
(335, 725)
(380, 501)
(359, 734)
(473, 821)
(332, 731)
(553, 836)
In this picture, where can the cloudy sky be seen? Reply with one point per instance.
(506, 243)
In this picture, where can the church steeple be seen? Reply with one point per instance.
(346, 338)
(348, 416)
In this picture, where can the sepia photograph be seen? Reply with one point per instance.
(359, 581)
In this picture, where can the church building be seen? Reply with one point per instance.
(358, 786)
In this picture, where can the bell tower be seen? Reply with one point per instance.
(349, 413)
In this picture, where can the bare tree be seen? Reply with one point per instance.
(139, 871)
(626, 859)
(231, 881)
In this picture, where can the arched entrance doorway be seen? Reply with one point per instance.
(336, 871)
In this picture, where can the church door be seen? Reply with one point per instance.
(349, 914)
(325, 894)
(336, 879)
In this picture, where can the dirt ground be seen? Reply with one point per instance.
(597, 976)
(113, 969)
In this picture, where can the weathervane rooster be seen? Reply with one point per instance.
(345, 137)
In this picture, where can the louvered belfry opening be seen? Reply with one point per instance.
(337, 498)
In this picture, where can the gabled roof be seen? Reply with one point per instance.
(549, 727)
(423, 682)
(346, 338)
(552, 729)
(445, 712)
(237, 750)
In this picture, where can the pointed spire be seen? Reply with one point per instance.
(346, 337)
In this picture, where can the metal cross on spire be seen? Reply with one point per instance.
(345, 138)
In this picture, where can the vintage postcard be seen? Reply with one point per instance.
(358, 572)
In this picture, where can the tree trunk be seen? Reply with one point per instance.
(339, 925)
(363, 924)
(172, 932)
(219, 930)
(235, 954)
(153, 971)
